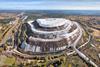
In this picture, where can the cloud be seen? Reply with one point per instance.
(50, 5)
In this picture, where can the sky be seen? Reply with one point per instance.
(49, 4)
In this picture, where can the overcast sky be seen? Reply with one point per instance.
(50, 4)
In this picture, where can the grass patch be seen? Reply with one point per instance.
(9, 60)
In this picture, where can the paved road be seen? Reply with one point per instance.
(80, 53)
(9, 32)
(14, 27)
(70, 53)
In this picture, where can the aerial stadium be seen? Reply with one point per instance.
(46, 36)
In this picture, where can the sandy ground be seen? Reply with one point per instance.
(96, 32)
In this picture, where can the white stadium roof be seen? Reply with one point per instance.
(52, 22)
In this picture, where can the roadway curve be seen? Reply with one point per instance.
(80, 53)
(70, 53)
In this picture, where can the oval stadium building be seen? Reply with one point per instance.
(49, 35)
(46, 40)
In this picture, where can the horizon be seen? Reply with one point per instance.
(49, 5)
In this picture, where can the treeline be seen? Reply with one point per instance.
(7, 20)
